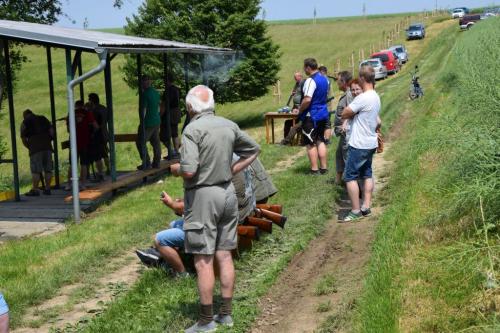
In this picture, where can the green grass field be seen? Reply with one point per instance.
(331, 40)
(403, 292)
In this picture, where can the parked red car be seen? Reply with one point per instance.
(389, 59)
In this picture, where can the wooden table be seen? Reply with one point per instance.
(269, 122)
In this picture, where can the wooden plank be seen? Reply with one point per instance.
(122, 181)
(132, 137)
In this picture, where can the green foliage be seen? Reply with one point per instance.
(435, 262)
(221, 23)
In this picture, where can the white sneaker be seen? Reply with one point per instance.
(210, 327)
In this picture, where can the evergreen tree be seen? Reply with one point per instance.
(221, 23)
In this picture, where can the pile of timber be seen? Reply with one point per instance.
(263, 219)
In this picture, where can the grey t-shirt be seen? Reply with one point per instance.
(208, 143)
(366, 107)
(344, 101)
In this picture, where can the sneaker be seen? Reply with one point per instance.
(323, 171)
(47, 192)
(366, 212)
(141, 167)
(210, 327)
(314, 172)
(225, 320)
(32, 193)
(352, 217)
(182, 275)
(149, 257)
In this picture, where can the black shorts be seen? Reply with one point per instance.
(313, 134)
(84, 157)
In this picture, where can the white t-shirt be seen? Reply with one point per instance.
(309, 88)
(366, 106)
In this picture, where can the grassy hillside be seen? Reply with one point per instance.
(328, 41)
(435, 266)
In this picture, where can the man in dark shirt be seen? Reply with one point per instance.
(36, 134)
(170, 110)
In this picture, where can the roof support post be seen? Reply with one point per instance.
(102, 54)
(80, 72)
(166, 105)
(10, 96)
(53, 114)
(111, 125)
(142, 126)
(186, 87)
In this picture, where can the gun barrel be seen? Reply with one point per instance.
(276, 218)
(262, 224)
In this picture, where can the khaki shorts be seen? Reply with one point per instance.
(210, 219)
(41, 162)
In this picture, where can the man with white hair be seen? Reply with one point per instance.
(211, 207)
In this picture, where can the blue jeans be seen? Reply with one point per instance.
(359, 164)
(173, 237)
(4, 308)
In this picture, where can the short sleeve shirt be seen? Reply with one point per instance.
(208, 143)
(309, 88)
(366, 106)
(344, 101)
(36, 130)
(151, 101)
(84, 119)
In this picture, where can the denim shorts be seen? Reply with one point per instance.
(4, 308)
(359, 164)
(173, 237)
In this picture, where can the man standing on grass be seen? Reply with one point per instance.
(313, 112)
(211, 207)
(343, 79)
(364, 112)
(151, 125)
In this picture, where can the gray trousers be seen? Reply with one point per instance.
(152, 134)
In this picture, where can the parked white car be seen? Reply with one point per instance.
(378, 66)
(457, 13)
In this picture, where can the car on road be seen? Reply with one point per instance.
(457, 13)
(468, 21)
(378, 66)
(415, 31)
(401, 52)
(389, 59)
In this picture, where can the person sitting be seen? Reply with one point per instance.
(37, 134)
(168, 243)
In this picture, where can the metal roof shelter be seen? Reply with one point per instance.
(106, 46)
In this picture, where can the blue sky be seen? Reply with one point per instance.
(101, 14)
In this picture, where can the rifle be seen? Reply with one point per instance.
(273, 208)
(262, 224)
(248, 231)
(276, 218)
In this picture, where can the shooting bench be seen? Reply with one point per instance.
(269, 122)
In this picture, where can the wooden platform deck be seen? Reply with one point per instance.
(58, 207)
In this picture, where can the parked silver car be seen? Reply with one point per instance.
(401, 52)
(380, 69)
(415, 31)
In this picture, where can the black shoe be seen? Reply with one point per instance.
(47, 192)
(141, 167)
(149, 257)
(32, 193)
(366, 212)
(323, 171)
(155, 165)
(314, 172)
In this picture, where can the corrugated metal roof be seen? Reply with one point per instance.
(91, 40)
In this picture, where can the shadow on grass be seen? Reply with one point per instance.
(251, 121)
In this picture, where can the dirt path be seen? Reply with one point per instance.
(341, 255)
(69, 312)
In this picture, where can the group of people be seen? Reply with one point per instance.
(356, 123)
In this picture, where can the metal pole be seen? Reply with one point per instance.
(186, 87)
(10, 95)
(53, 114)
(72, 122)
(142, 136)
(166, 101)
(80, 72)
(111, 125)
